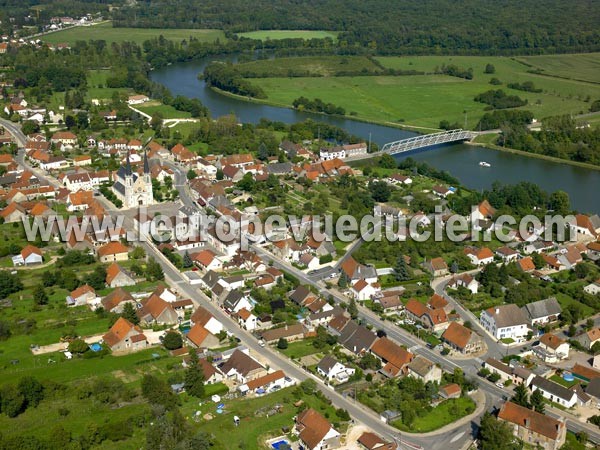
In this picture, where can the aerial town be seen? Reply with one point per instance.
(148, 298)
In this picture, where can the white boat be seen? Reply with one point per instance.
(485, 164)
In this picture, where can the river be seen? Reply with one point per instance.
(461, 160)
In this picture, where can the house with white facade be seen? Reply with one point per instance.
(333, 370)
(505, 322)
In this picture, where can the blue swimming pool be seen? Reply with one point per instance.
(277, 445)
(95, 347)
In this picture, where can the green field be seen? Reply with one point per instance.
(425, 100)
(263, 35)
(325, 66)
(578, 66)
(105, 31)
(168, 112)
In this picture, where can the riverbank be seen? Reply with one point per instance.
(261, 101)
(488, 144)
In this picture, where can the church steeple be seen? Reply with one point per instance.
(127, 165)
(146, 164)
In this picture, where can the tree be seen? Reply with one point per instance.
(32, 391)
(595, 348)
(282, 343)
(30, 127)
(537, 401)
(158, 392)
(4, 330)
(352, 309)
(130, 313)
(154, 271)
(263, 152)
(39, 295)
(194, 378)
(187, 260)
(489, 68)
(191, 174)
(401, 271)
(219, 174)
(560, 203)
(521, 396)
(12, 402)
(380, 191)
(496, 435)
(78, 346)
(172, 340)
(138, 253)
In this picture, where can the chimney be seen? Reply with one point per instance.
(527, 422)
(497, 310)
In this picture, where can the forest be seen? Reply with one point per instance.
(440, 26)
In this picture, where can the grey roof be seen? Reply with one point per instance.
(553, 388)
(363, 271)
(357, 338)
(325, 314)
(299, 294)
(420, 365)
(327, 363)
(118, 186)
(232, 299)
(595, 221)
(187, 211)
(279, 168)
(542, 308)
(211, 278)
(241, 363)
(593, 388)
(508, 316)
(219, 200)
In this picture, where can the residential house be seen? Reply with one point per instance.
(517, 375)
(235, 301)
(505, 322)
(29, 255)
(437, 267)
(462, 339)
(242, 367)
(554, 392)
(361, 290)
(83, 295)
(205, 319)
(124, 336)
(507, 254)
(333, 370)
(449, 391)
(483, 211)
(393, 357)
(593, 288)
(290, 333)
(586, 226)
(370, 441)
(267, 383)
(585, 373)
(464, 280)
(65, 138)
(207, 260)
(115, 301)
(355, 271)
(211, 374)
(551, 348)
(246, 319)
(397, 178)
(117, 276)
(526, 264)
(479, 256)
(589, 338)
(13, 213)
(423, 369)
(155, 310)
(543, 311)
(356, 339)
(137, 99)
(200, 337)
(390, 301)
(315, 432)
(113, 251)
(534, 428)
(433, 319)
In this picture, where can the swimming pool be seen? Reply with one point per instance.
(278, 444)
(95, 347)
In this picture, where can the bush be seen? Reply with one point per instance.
(494, 377)
(282, 344)
(78, 346)
(172, 340)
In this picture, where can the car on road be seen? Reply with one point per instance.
(499, 384)
(333, 275)
(261, 343)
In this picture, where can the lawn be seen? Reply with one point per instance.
(446, 412)
(425, 100)
(264, 35)
(575, 66)
(106, 32)
(255, 426)
(299, 349)
(326, 66)
(565, 301)
(168, 112)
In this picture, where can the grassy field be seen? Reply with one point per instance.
(105, 31)
(425, 100)
(578, 66)
(264, 35)
(443, 414)
(325, 66)
(168, 112)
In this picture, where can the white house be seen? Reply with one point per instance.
(479, 256)
(543, 311)
(361, 290)
(28, 256)
(137, 99)
(465, 280)
(247, 320)
(331, 369)
(593, 288)
(203, 317)
(554, 392)
(551, 348)
(505, 322)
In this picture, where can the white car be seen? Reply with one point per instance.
(499, 384)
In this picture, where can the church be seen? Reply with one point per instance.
(131, 188)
